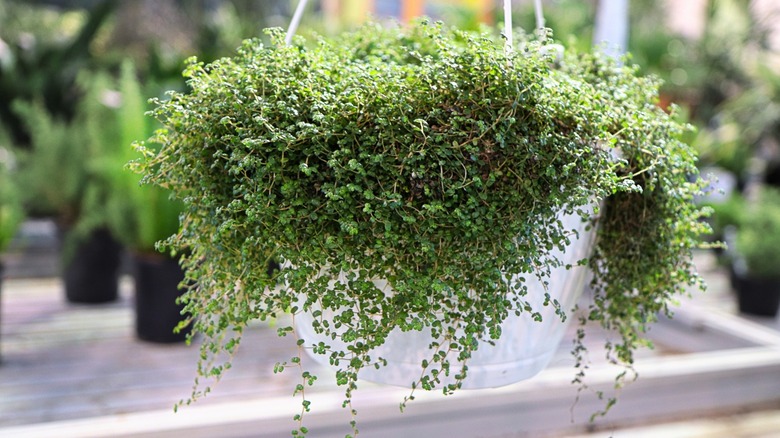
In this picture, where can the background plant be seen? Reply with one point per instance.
(728, 213)
(431, 158)
(55, 168)
(42, 52)
(735, 90)
(758, 234)
(10, 203)
(139, 216)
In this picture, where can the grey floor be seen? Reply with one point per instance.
(64, 362)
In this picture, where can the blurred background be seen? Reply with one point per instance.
(86, 303)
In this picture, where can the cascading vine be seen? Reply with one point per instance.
(433, 159)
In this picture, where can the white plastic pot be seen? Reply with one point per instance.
(524, 349)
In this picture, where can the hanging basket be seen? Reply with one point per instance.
(526, 345)
(424, 191)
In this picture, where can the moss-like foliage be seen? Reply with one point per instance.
(435, 159)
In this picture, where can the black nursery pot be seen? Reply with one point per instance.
(758, 296)
(91, 274)
(157, 281)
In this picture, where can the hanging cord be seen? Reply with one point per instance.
(539, 15)
(296, 20)
(508, 24)
(555, 49)
(539, 12)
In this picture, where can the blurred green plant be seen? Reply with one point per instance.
(724, 146)
(724, 82)
(41, 56)
(753, 120)
(723, 63)
(726, 214)
(11, 213)
(55, 168)
(758, 234)
(74, 170)
(139, 216)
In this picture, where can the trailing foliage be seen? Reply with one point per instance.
(434, 159)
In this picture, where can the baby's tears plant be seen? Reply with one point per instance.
(432, 158)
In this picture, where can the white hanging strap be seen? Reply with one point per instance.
(611, 30)
(508, 20)
(539, 15)
(296, 20)
(508, 23)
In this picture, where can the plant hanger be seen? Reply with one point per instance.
(295, 21)
(538, 11)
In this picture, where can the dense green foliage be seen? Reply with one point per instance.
(434, 159)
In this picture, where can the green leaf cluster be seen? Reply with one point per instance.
(44, 51)
(434, 159)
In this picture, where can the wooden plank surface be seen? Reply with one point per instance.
(64, 361)
(70, 362)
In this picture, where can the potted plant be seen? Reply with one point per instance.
(59, 182)
(10, 208)
(727, 214)
(754, 118)
(756, 256)
(140, 216)
(736, 91)
(417, 180)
